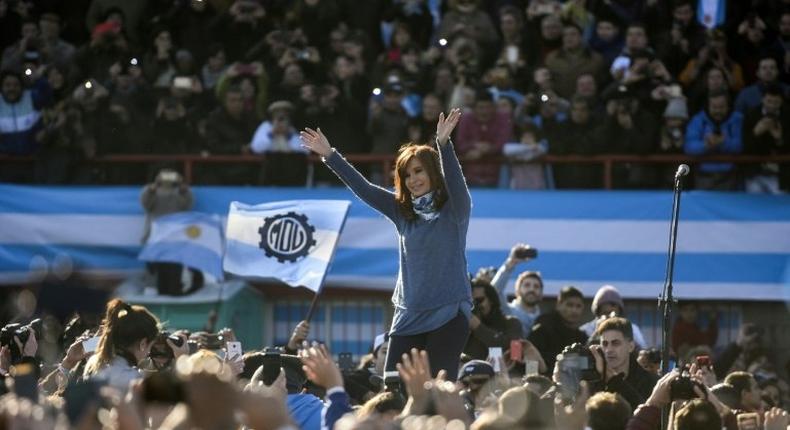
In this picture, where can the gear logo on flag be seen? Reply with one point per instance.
(286, 237)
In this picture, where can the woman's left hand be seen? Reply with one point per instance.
(445, 125)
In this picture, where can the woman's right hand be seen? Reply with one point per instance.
(315, 141)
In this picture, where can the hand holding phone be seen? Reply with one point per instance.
(495, 357)
(90, 345)
(234, 350)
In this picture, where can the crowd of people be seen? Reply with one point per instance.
(219, 77)
(523, 366)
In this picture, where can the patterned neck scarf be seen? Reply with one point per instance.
(424, 207)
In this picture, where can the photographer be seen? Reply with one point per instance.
(616, 362)
(763, 134)
(490, 328)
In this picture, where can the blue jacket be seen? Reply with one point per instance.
(306, 410)
(20, 121)
(337, 405)
(700, 126)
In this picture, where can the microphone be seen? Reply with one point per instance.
(683, 170)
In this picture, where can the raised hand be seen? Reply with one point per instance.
(315, 141)
(445, 125)
(415, 371)
(319, 367)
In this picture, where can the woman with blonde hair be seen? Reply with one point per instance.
(430, 209)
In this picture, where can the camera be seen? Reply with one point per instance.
(526, 252)
(22, 333)
(272, 362)
(576, 363)
(682, 387)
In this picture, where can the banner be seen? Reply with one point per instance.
(731, 246)
(191, 238)
(293, 241)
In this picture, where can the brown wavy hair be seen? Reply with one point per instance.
(429, 159)
(123, 326)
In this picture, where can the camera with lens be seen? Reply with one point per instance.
(21, 332)
(576, 363)
(682, 387)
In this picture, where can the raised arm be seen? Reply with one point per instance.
(376, 197)
(458, 194)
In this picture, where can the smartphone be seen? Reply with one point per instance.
(526, 252)
(234, 350)
(182, 82)
(748, 421)
(531, 367)
(495, 354)
(703, 361)
(516, 351)
(511, 54)
(345, 361)
(272, 362)
(90, 345)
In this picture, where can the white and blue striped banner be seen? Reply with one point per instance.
(730, 245)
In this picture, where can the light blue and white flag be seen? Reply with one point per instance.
(193, 239)
(293, 241)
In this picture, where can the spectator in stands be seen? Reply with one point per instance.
(579, 136)
(750, 44)
(715, 130)
(635, 41)
(572, 60)
(53, 48)
(172, 132)
(607, 303)
(228, 130)
(549, 37)
(767, 75)
(20, 112)
(388, 122)
(465, 18)
(529, 147)
(687, 331)
(14, 55)
(216, 65)
(159, 62)
(764, 134)
(483, 134)
(714, 54)
(629, 129)
(749, 394)
(780, 48)
(515, 52)
(620, 373)
(678, 44)
(490, 327)
(240, 27)
(528, 289)
(607, 39)
(108, 46)
(715, 81)
(126, 15)
(252, 80)
(286, 160)
(671, 138)
(560, 328)
(423, 129)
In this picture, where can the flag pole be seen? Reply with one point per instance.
(311, 310)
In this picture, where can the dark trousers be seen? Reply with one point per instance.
(443, 345)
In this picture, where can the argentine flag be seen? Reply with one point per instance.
(292, 241)
(193, 239)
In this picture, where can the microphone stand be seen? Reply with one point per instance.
(666, 300)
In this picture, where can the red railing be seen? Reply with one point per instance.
(385, 161)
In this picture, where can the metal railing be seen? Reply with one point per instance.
(188, 161)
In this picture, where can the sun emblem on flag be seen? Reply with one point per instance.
(286, 237)
(193, 232)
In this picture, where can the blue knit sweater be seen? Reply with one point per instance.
(433, 281)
